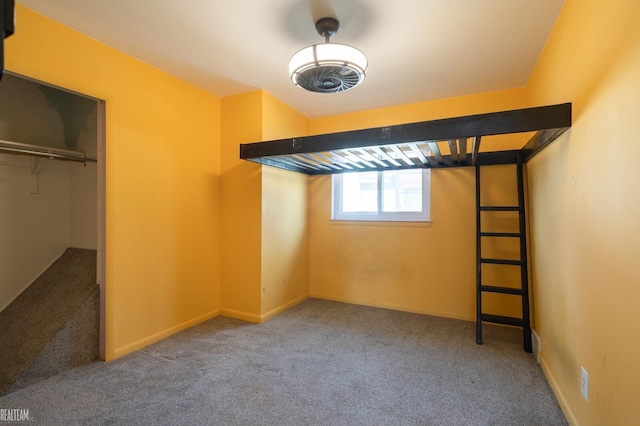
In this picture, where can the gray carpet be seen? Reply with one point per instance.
(320, 363)
(53, 325)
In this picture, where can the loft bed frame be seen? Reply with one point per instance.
(417, 145)
(414, 145)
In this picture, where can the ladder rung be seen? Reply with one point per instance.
(501, 234)
(499, 319)
(500, 261)
(503, 290)
(499, 208)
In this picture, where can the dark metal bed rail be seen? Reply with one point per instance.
(413, 145)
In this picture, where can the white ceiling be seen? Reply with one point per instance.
(417, 49)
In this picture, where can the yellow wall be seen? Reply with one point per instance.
(585, 205)
(421, 111)
(285, 240)
(162, 212)
(412, 267)
(500, 188)
(285, 234)
(241, 208)
(264, 227)
(432, 110)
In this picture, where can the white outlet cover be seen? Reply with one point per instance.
(584, 383)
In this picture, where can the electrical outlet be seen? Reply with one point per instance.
(584, 383)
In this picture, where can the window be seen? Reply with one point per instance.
(392, 195)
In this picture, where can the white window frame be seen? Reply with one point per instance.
(381, 216)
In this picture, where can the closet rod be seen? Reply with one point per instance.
(43, 151)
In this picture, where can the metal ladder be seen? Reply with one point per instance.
(523, 290)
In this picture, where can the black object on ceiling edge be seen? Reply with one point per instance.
(7, 18)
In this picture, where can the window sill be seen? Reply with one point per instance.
(346, 222)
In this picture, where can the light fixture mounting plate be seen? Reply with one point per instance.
(327, 27)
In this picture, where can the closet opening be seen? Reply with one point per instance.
(52, 226)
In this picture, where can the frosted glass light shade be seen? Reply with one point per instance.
(328, 67)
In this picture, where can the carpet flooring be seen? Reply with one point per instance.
(319, 363)
(61, 299)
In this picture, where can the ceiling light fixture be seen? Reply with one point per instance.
(328, 67)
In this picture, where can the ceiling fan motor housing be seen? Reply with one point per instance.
(328, 78)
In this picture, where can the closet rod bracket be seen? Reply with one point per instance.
(36, 163)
